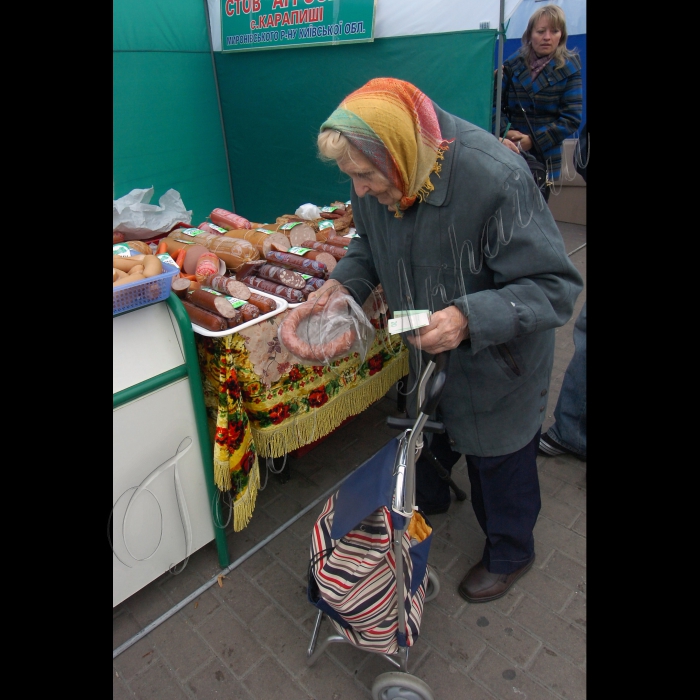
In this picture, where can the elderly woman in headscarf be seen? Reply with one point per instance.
(447, 221)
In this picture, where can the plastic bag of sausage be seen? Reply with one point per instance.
(321, 331)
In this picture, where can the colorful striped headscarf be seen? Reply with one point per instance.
(394, 125)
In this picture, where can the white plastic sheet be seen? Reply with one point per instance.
(133, 216)
(308, 211)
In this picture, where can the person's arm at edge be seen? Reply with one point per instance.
(355, 272)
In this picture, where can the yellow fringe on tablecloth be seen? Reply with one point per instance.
(224, 461)
(276, 441)
(244, 506)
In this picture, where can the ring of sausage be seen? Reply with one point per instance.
(288, 334)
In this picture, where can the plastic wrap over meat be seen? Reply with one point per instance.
(318, 334)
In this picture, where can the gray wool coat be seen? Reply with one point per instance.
(485, 242)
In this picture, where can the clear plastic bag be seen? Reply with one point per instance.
(323, 330)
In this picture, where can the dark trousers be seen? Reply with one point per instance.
(505, 497)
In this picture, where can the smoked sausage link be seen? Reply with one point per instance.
(249, 312)
(236, 320)
(265, 304)
(307, 265)
(335, 251)
(211, 302)
(205, 319)
(315, 282)
(339, 241)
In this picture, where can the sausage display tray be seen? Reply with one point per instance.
(281, 306)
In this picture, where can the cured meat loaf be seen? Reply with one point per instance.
(309, 261)
(343, 222)
(249, 311)
(263, 239)
(205, 319)
(265, 304)
(227, 219)
(180, 286)
(233, 251)
(236, 320)
(282, 275)
(339, 241)
(294, 296)
(286, 218)
(297, 232)
(211, 228)
(228, 285)
(315, 282)
(227, 306)
(335, 251)
(211, 302)
(207, 265)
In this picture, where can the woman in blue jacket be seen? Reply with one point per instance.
(544, 78)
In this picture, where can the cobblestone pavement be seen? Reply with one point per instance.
(248, 638)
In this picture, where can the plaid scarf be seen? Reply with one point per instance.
(394, 125)
(537, 64)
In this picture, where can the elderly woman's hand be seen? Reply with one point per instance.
(321, 296)
(446, 330)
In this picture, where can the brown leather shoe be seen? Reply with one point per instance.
(480, 585)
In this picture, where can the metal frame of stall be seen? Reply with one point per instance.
(189, 370)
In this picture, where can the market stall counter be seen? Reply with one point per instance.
(237, 281)
(162, 486)
(261, 403)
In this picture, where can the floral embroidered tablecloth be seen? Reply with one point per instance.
(262, 403)
(236, 468)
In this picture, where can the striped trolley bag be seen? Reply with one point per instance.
(352, 569)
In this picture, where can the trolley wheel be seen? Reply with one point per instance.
(433, 587)
(400, 686)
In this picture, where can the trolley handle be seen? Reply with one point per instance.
(429, 426)
(430, 404)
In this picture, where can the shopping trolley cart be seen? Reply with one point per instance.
(365, 523)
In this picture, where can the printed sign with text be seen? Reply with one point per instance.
(249, 25)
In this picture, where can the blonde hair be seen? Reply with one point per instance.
(334, 146)
(557, 21)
